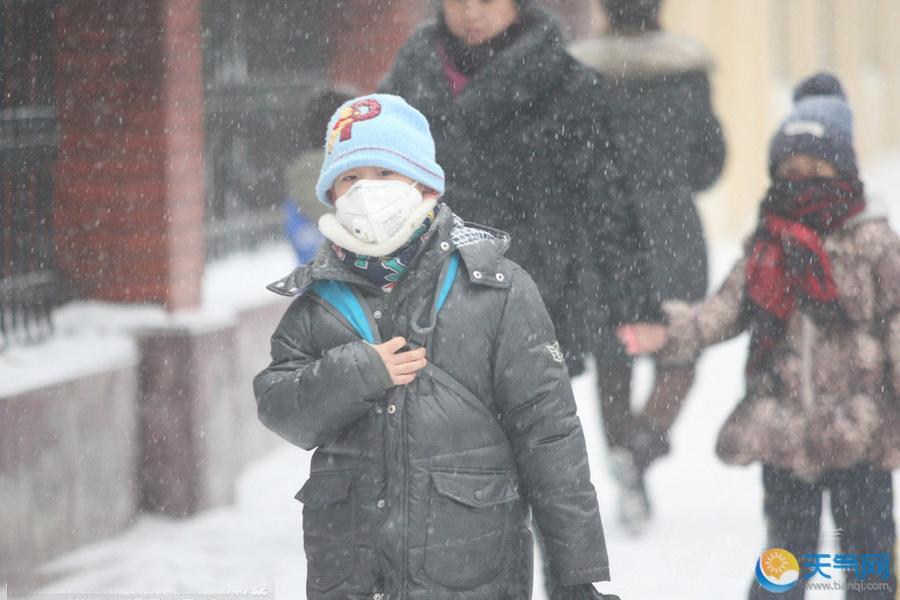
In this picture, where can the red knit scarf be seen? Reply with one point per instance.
(788, 265)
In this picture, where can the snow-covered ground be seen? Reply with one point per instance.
(704, 541)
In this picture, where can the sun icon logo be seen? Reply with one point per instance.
(777, 570)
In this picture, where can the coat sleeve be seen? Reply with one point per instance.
(603, 206)
(693, 327)
(537, 411)
(705, 158)
(308, 397)
(887, 274)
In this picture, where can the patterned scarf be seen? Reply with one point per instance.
(788, 264)
(387, 271)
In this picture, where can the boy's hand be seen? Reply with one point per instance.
(402, 366)
(643, 338)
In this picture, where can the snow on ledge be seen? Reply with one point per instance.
(239, 281)
(63, 358)
(94, 337)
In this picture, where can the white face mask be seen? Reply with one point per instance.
(373, 211)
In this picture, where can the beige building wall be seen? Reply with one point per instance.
(762, 48)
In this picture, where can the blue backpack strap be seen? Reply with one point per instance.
(448, 282)
(339, 295)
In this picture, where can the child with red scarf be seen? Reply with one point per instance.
(819, 291)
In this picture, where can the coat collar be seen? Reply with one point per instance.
(521, 75)
(642, 56)
(481, 249)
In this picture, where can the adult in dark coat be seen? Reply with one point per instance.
(522, 135)
(671, 147)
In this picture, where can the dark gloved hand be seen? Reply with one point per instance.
(584, 591)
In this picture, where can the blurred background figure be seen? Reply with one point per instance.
(520, 131)
(670, 146)
(301, 207)
(522, 135)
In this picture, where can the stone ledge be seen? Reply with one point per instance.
(67, 465)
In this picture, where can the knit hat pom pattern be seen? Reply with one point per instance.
(633, 13)
(820, 84)
(819, 125)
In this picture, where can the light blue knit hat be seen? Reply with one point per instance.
(379, 130)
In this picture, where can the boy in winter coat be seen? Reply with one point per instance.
(819, 292)
(670, 146)
(422, 366)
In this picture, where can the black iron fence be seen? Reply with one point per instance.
(29, 287)
(262, 60)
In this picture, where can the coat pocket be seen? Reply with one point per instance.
(470, 517)
(329, 520)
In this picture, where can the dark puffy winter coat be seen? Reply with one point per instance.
(525, 147)
(670, 143)
(422, 491)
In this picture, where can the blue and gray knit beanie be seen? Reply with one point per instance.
(379, 130)
(820, 125)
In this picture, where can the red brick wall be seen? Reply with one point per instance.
(129, 181)
(365, 36)
(186, 140)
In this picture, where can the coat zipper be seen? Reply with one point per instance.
(405, 458)
(806, 347)
(390, 308)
